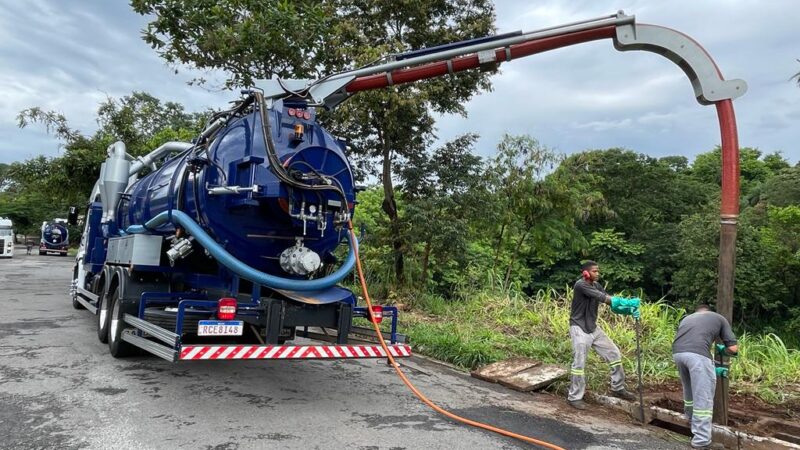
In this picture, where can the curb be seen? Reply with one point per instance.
(721, 434)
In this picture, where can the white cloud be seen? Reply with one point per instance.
(68, 55)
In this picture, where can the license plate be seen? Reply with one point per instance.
(220, 328)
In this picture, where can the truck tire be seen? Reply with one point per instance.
(116, 346)
(75, 303)
(102, 315)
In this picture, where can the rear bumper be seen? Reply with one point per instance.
(214, 352)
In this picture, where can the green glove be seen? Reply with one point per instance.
(625, 306)
(722, 372)
(722, 349)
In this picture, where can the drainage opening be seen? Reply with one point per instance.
(674, 427)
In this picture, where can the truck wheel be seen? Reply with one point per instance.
(75, 303)
(117, 347)
(102, 315)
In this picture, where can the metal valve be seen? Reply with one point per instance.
(300, 260)
(181, 248)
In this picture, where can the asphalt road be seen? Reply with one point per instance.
(60, 388)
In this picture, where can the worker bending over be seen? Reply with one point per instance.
(585, 334)
(691, 353)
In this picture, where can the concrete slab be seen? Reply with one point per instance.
(494, 371)
(522, 374)
(534, 378)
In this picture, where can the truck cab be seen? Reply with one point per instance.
(6, 238)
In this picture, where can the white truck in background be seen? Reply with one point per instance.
(6, 238)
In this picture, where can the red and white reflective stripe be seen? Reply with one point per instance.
(199, 352)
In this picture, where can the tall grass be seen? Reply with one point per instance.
(485, 325)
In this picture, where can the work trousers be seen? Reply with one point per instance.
(581, 343)
(699, 383)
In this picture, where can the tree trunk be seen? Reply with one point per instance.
(499, 242)
(390, 207)
(514, 257)
(425, 259)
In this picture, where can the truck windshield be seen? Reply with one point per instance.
(5, 232)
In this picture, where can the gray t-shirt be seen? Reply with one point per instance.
(698, 331)
(586, 297)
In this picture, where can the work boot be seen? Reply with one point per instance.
(577, 404)
(711, 446)
(624, 394)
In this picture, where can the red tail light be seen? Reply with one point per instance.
(226, 309)
(377, 314)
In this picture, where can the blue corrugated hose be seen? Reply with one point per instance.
(242, 269)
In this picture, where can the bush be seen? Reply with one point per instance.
(483, 326)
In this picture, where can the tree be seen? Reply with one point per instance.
(538, 209)
(619, 269)
(783, 189)
(140, 120)
(707, 168)
(5, 179)
(251, 40)
(644, 198)
(759, 292)
(439, 191)
(247, 39)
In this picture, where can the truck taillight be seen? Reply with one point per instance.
(226, 309)
(377, 314)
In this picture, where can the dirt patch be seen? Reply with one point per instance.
(744, 404)
(746, 413)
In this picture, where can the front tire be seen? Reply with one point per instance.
(117, 347)
(75, 303)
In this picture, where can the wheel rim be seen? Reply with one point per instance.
(102, 316)
(114, 321)
(102, 311)
(75, 284)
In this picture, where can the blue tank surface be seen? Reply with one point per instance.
(55, 236)
(254, 226)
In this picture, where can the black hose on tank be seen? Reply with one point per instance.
(275, 163)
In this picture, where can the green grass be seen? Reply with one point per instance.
(484, 326)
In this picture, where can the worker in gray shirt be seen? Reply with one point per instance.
(585, 334)
(691, 352)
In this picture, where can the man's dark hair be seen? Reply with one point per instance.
(588, 264)
(702, 307)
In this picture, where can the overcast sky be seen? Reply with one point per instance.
(68, 55)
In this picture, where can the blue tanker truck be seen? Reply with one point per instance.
(232, 246)
(54, 238)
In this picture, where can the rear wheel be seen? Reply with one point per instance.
(117, 347)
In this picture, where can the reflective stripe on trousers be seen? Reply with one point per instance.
(699, 383)
(581, 343)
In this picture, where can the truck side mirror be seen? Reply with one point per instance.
(72, 218)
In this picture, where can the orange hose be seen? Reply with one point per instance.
(416, 392)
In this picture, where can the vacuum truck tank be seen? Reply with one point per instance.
(54, 238)
(241, 236)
